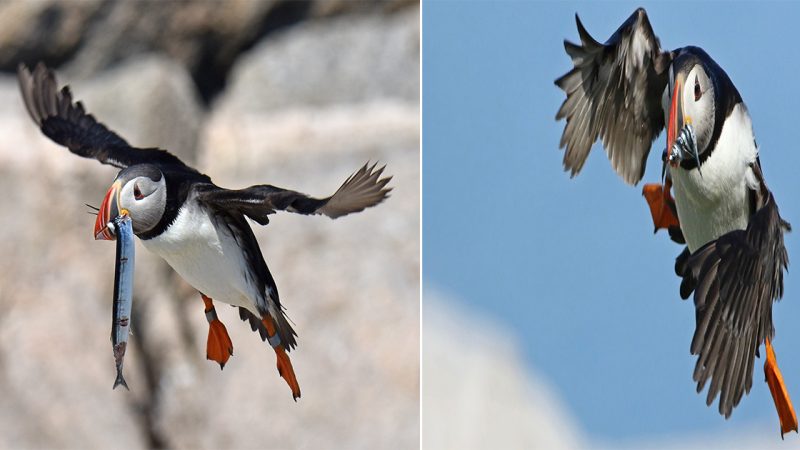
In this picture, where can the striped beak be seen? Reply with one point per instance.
(109, 210)
(676, 117)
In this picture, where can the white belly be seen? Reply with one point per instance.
(718, 201)
(206, 257)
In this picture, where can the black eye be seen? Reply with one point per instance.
(137, 194)
(697, 92)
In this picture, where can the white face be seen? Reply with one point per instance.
(698, 105)
(145, 201)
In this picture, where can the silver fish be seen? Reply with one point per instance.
(123, 292)
(685, 147)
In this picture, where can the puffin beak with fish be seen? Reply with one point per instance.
(624, 92)
(199, 228)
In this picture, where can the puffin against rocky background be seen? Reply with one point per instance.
(625, 92)
(197, 227)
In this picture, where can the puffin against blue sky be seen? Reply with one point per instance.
(571, 265)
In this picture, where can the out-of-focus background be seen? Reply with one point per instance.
(551, 314)
(295, 94)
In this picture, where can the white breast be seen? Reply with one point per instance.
(207, 257)
(718, 202)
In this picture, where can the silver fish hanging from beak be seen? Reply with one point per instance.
(123, 292)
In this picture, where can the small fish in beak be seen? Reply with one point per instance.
(685, 147)
(123, 288)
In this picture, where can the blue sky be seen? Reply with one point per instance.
(571, 266)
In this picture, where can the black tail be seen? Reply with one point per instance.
(284, 329)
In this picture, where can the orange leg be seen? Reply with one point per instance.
(285, 368)
(783, 404)
(662, 205)
(219, 347)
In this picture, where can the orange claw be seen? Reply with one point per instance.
(662, 205)
(285, 368)
(219, 347)
(783, 404)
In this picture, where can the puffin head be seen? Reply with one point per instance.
(694, 92)
(139, 192)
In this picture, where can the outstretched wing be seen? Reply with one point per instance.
(614, 92)
(735, 279)
(361, 190)
(67, 124)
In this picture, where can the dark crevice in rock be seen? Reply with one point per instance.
(46, 43)
(147, 407)
(104, 38)
(210, 74)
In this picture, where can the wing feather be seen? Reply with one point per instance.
(68, 124)
(362, 189)
(614, 93)
(735, 279)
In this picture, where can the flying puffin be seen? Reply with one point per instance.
(198, 227)
(625, 92)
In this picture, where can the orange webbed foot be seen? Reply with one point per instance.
(219, 347)
(662, 205)
(783, 404)
(285, 369)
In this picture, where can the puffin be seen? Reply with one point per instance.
(713, 197)
(200, 229)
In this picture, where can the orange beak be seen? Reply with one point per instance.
(676, 118)
(109, 210)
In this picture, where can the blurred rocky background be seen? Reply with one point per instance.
(478, 392)
(295, 94)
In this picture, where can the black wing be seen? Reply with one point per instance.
(735, 279)
(614, 92)
(361, 190)
(67, 123)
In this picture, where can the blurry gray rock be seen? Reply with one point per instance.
(325, 8)
(199, 34)
(477, 393)
(351, 285)
(342, 60)
(44, 29)
(204, 36)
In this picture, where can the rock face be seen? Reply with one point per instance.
(476, 392)
(321, 63)
(351, 286)
(48, 30)
(205, 36)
